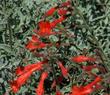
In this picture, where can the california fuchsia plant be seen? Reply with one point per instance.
(61, 54)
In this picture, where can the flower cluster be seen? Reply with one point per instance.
(45, 29)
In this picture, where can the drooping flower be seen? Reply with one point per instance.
(97, 80)
(63, 69)
(35, 43)
(82, 58)
(24, 73)
(23, 69)
(21, 80)
(40, 88)
(86, 90)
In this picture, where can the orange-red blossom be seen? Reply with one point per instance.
(82, 58)
(40, 88)
(63, 69)
(35, 43)
(24, 75)
(88, 89)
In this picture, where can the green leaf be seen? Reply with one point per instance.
(95, 70)
(53, 38)
(5, 47)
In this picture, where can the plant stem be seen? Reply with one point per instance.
(10, 36)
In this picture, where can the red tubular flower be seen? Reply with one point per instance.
(82, 58)
(21, 70)
(21, 80)
(35, 43)
(63, 69)
(51, 11)
(98, 79)
(45, 29)
(44, 26)
(58, 93)
(62, 11)
(57, 21)
(40, 88)
(44, 75)
(86, 90)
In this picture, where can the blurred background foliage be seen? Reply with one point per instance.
(18, 18)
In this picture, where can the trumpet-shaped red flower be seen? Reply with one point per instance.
(82, 58)
(40, 88)
(63, 69)
(23, 69)
(45, 29)
(16, 84)
(21, 80)
(51, 11)
(35, 43)
(86, 90)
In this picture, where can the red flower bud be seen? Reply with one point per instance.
(63, 69)
(82, 58)
(40, 88)
(51, 11)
